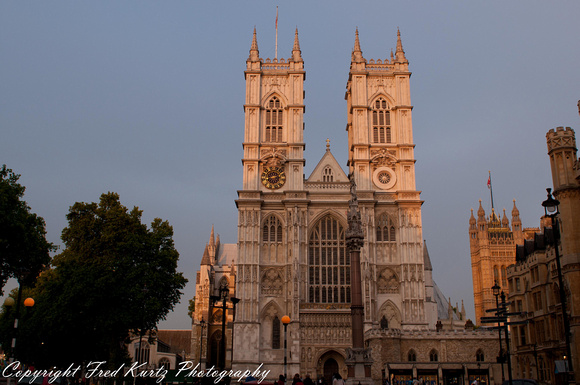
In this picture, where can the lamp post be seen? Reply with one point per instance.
(507, 340)
(285, 321)
(496, 289)
(223, 296)
(202, 325)
(234, 302)
(551, 210)
(9, 301)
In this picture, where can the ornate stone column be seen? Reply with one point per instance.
(358, 358)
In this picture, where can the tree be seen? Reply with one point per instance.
(115, 276)
(24, 250)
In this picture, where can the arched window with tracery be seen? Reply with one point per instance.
(381, 121)
(327, 175)
(164, 363)
(328, 264)
(142, 351)
(272, 230)
(385, 229)
(411, 356)
(479, 356)
(274, 118)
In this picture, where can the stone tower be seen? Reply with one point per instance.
(566, 178)
(271, 205)
(380, 138)
(492, 245)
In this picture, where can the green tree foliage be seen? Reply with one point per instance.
(115, 276)
(24, 250)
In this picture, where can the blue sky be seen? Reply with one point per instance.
(145, 98)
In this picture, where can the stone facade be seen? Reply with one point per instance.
(291, 256)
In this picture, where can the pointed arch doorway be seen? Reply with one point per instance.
(330, 367)
(331, 362)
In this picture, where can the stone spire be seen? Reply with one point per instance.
(400, 53)
(212, 237)
(357, 53)
(480, 212)
(296, 53)
(205, 259)
(254, 53)
(504, 221)
(472, 218)
(515, 213)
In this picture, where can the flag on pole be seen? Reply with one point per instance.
(489, 182)
(276, 17)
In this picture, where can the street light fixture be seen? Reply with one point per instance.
(9, 301)
(551, 210)
(285, 320)
(496, 290)
(202, 324)
(224, 294)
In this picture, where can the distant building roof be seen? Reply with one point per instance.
(227, 254)
(178, 340)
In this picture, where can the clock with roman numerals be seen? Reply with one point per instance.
(273, 177)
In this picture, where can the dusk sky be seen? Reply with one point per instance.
(145, 98)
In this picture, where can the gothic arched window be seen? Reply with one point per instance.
(273, 120)
(479, 356)
(385, 229)
(328, 264)
(433, 356)
(503, 276)
(276, 333)
(411, 356)
(381, 122)
(272, 230)
(327, 175)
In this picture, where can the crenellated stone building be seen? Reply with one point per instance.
(291, 256)
(533, 280)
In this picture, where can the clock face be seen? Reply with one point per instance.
(273, 177)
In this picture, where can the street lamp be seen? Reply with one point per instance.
(224, 293)
(496, 289)
(551, 210)
(285, 321)
(202, 324)
(9, 301)
(504, 305)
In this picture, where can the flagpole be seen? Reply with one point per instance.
(276, 53)
(490, 189)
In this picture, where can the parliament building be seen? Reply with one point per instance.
(291, 258)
